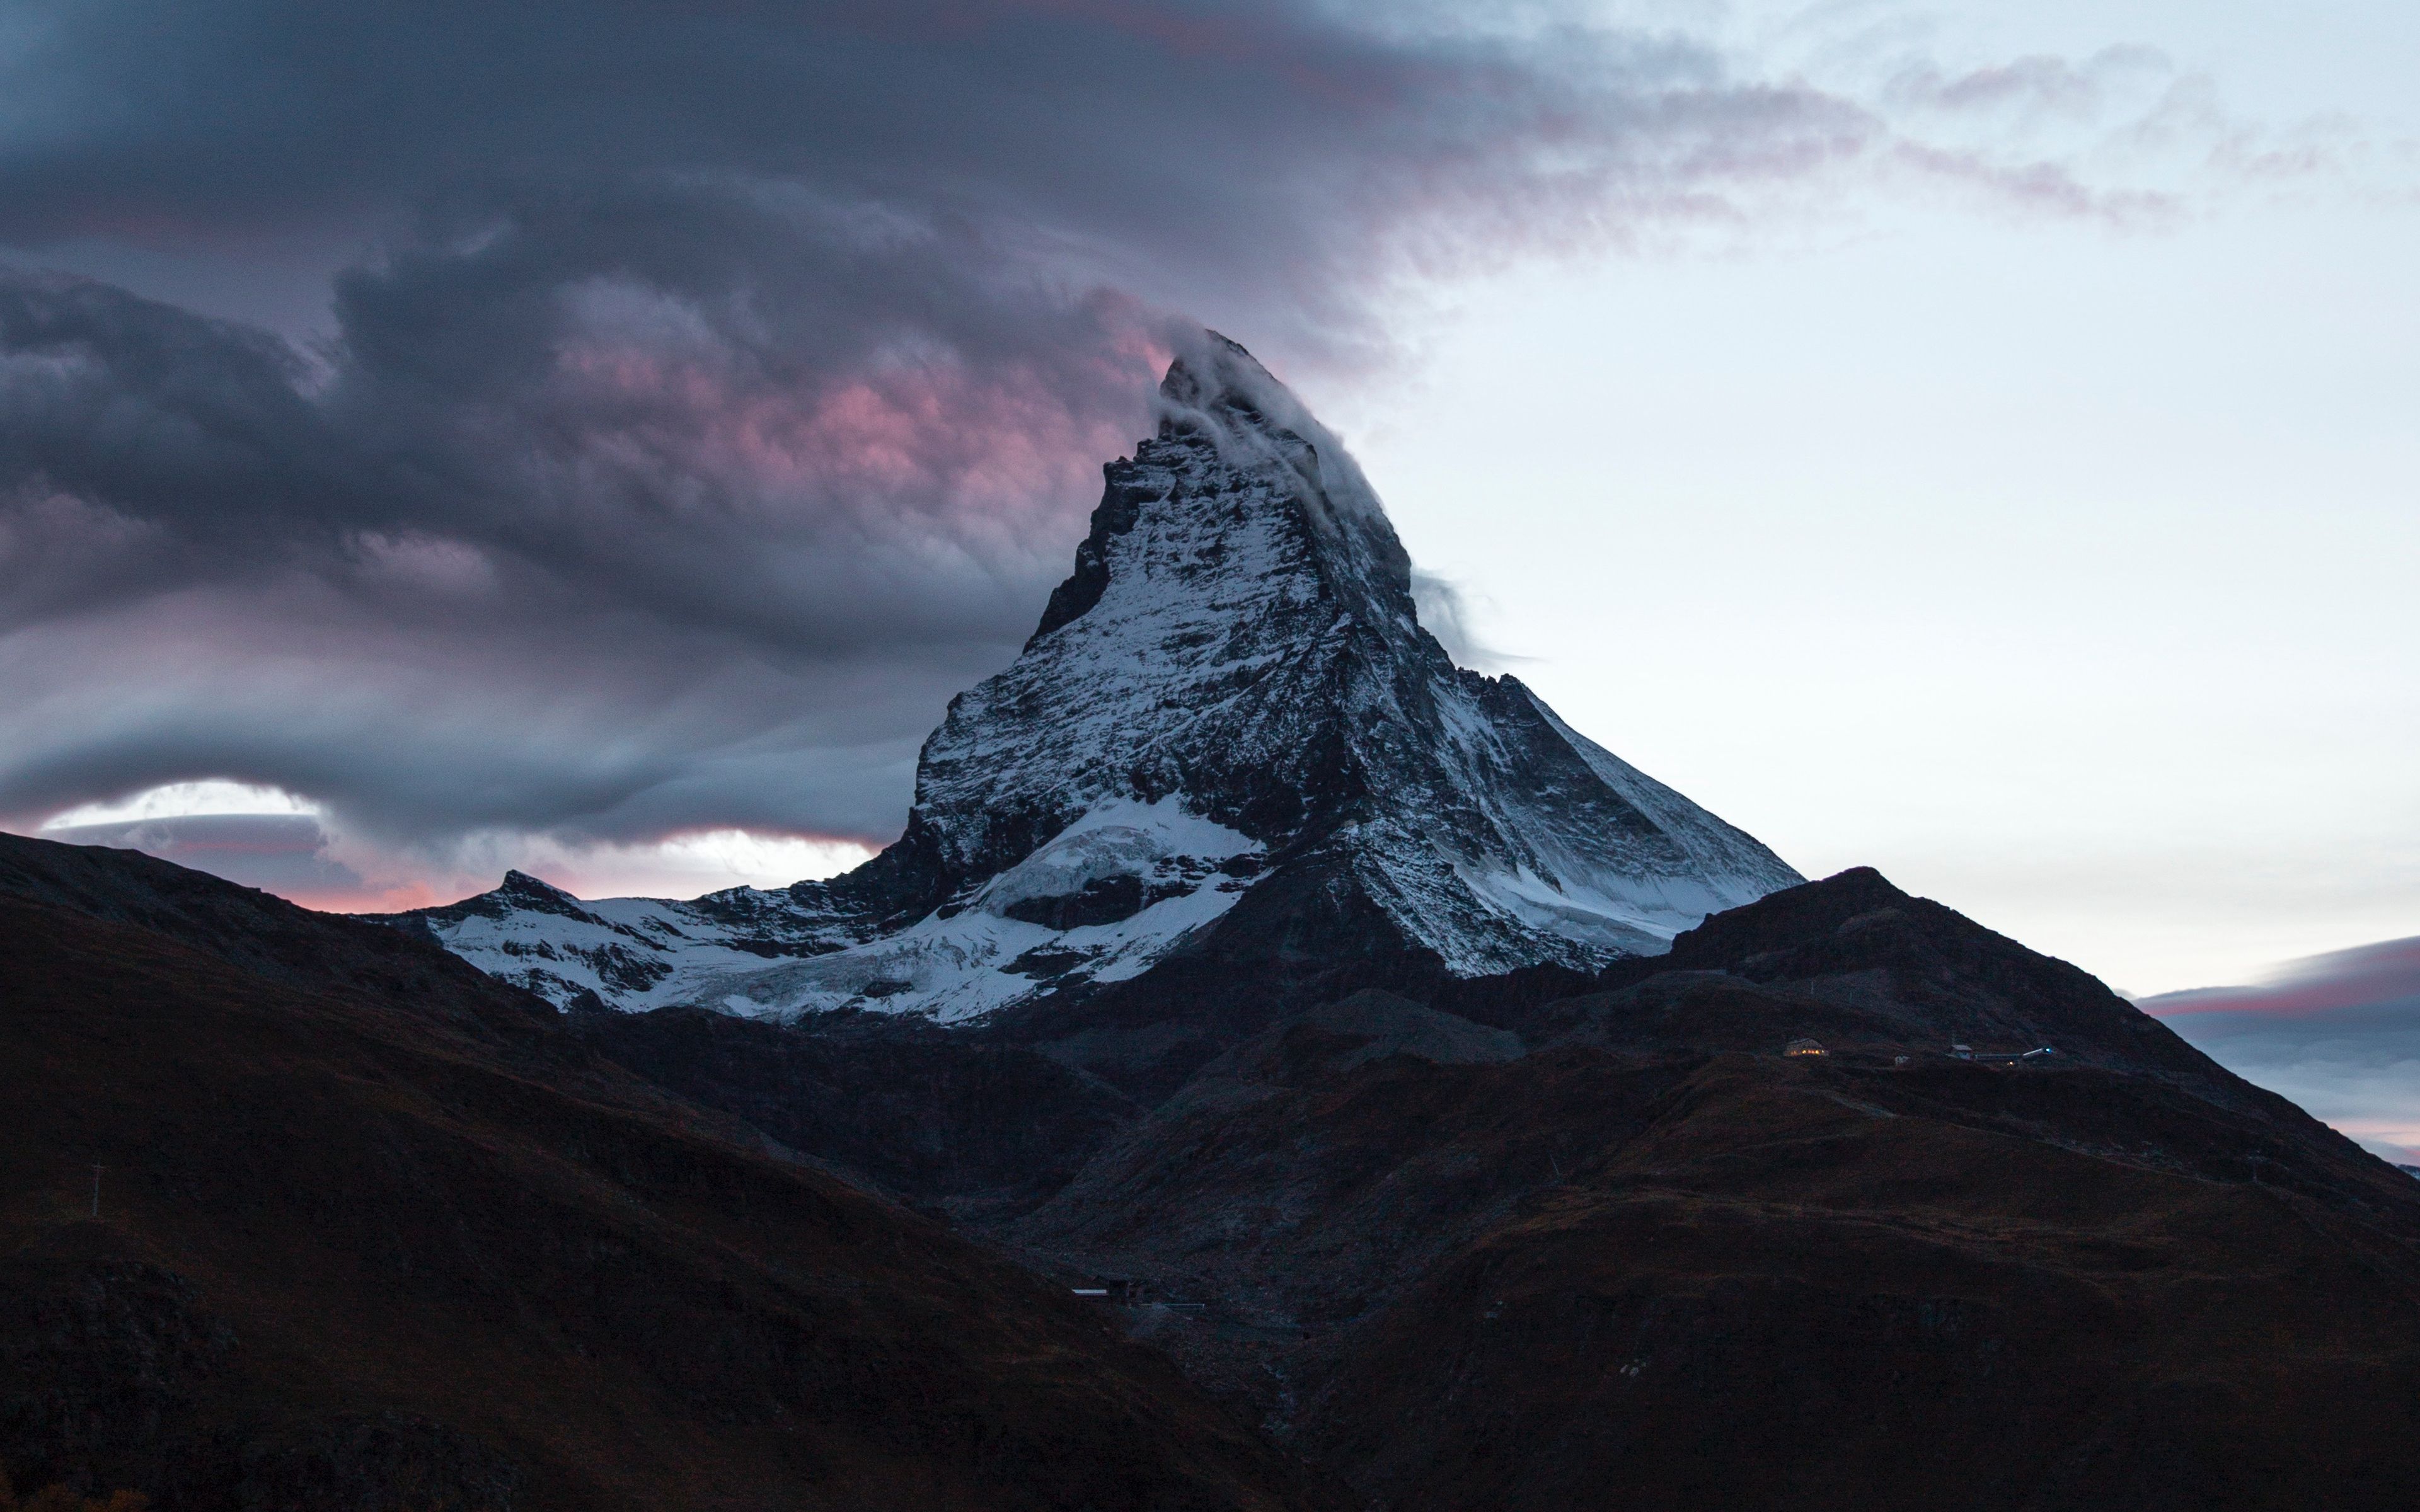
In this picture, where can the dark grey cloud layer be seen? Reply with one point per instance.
(2338, 1033)
(1200, 150)
(284, 853)
(718, 387)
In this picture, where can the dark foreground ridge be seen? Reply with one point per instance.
(376, 1231)
(376, 1223)
(1549, 1239)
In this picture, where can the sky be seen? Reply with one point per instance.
(2058, 565)
(1970, 440)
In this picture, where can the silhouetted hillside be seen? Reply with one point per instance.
(376, 1231)
(1636, 1257)
(379, 1232)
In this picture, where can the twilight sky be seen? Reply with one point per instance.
(1973, 439)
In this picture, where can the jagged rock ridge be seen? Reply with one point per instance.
(1231, 686)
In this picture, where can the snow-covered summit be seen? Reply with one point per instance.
(1232, 688)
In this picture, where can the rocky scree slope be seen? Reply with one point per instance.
(1230, 696)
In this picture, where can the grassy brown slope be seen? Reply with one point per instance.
(347, 1243)
(1653, 1263)
(934, 1115)
(1829, 1286)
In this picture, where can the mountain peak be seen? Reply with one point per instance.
(1218, 392)
(1217, 380)
(1231, 698)
(524, 890)
(1257, 455)
(1211, 366)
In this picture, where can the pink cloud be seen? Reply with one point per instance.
(2367, 976)
(2397, 1139)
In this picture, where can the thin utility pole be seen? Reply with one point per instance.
(96, 1191)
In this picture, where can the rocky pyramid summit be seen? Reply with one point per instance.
(1228, 721)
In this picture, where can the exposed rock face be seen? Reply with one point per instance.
(1248, 645)
(1232, 688)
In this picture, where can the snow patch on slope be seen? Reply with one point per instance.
(1110, 894)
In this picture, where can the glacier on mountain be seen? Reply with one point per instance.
(1231, 687)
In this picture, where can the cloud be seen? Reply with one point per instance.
(2338, 1033)
(296, 855)
(709, 391)
(284, 854)
(2038, 86)
(576, 528)
(2368, 979)
(1446, 612)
